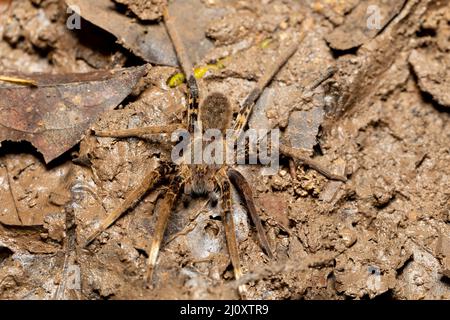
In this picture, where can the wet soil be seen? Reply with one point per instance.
(382, 120)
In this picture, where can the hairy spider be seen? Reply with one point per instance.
(211, 112)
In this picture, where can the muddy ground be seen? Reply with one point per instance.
(382, 120)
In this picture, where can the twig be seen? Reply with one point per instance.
(25, 82)
(183, 58)
(296, 154)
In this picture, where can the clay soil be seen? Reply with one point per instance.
(382, 120)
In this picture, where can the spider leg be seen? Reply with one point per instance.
(149, 181)
(188, 69)
(297, 155)
(161, 224)
(242, 185)
(230, 231)
(249, 102)
(138, 132)
(263, 82)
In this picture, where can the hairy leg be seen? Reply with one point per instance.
(161, 224)
(188, 69)
(230, 231)
(269, 74)
(242, 185)
(149, 181)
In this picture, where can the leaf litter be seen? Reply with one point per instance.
(54, 115)
(150, 41)
(381, 234)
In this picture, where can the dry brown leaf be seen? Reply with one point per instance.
(151, 41)
(54, 115)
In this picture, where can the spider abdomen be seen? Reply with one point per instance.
(215, 112)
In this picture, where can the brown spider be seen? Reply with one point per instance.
(214, 111)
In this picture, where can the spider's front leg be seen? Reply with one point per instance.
(161, 224)
(149, 181)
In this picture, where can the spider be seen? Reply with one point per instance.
(204, 180)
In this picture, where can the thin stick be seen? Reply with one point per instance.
(183, 58)
(247, 105)
(323, 77)
(269, 74)
(292, 169)
(307, 94)
(13, 194)
(24, 82)
(296, 154)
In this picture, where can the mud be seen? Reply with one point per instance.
(145, 10)
(382, 120)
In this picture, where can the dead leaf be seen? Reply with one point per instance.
(151, 41)
(54, 115)
(364, 23)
